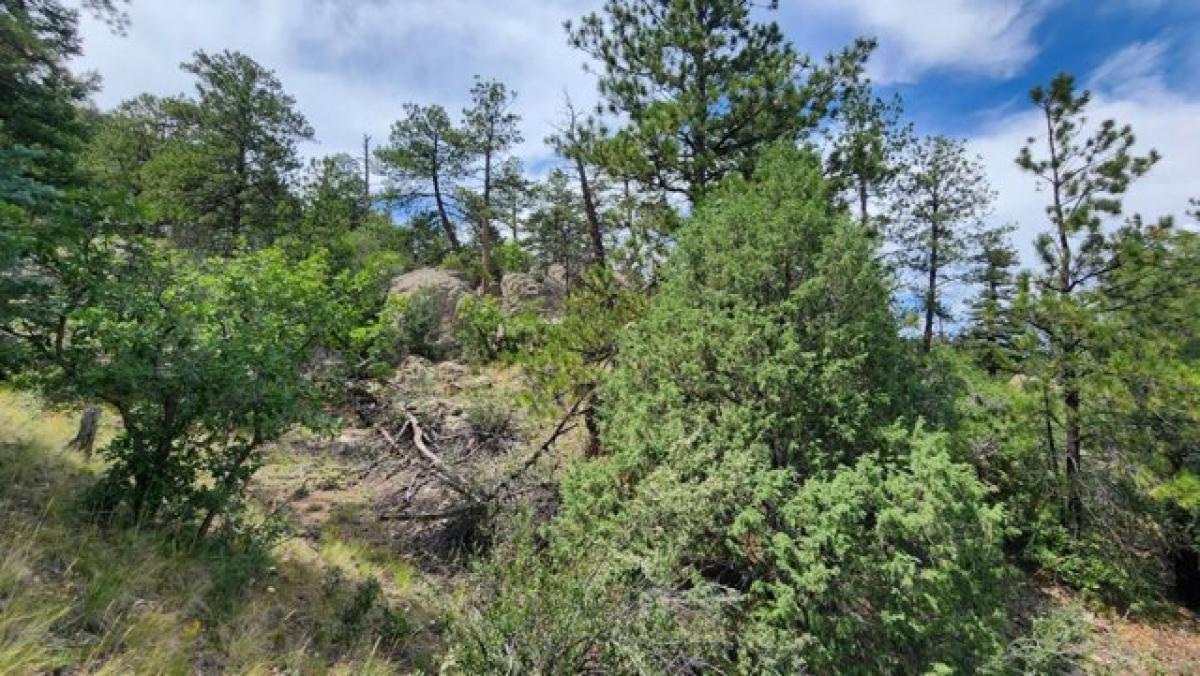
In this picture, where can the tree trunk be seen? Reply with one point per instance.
(367, 169)
(862, 205)
(1068, 376)
(593, 449)
(931, 292)
(236, 218)
(593, 217)
(1071, 402)
(85, 439)
(447, 226)
(485, 239)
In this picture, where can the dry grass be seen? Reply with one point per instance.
(79, 598)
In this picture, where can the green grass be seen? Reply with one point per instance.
(80, 598)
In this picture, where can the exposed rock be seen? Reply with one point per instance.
(556, 280)
(451, 375)
(445, 286)
(520, 289)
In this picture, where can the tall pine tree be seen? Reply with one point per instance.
(1085, 172)
(426, 159)
(704, 85)
(226, 175)
(491, 130)
(941, 200)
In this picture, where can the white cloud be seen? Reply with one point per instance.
(1166, 120)
(978, 37)
(1135, 71)
(351, 64)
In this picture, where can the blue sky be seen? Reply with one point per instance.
(1078, 37)
(964, 67)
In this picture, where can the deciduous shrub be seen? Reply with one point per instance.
(204, 361)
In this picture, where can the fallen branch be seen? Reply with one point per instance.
(431, 516)
(477, 499)
(460, 485)
(559, 430)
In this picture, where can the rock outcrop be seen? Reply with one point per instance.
(521, 289)
(445, 287)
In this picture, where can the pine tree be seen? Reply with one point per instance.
(42, 133)
(125, 140)
(513, 196)
(41, 130)
(1085, 173)
(332, 199)
(491, 130)
(426, 159)
(992, 329)
(226, 173)
(705, 87)
(868, 148)
(557, 232)
(940, 201)
(580, 142)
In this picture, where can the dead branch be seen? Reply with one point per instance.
(562, 428)
(439, 466)
(431, 516)
(477, 499)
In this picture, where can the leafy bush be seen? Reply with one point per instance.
(376, 244)
(490, 418)
(537, 609)
(486, 333)
(465, 261)
(1101, 568)
(1002, 431)
(205, 362)
(405, 325)
(508, 256)
(480, 327)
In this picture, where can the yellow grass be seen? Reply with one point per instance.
(80, 598)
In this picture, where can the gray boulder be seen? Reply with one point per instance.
(446, 288)
(520, 289)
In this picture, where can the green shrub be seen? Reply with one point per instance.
(366, 610)
(417, 319)
(405, 325)
(1100, 568)
(480, 327)
(486, 333)
(536, 609)
(886, 566)
(508, 256)
(490, 418)
(1057, 642)
(204, 361)
(761, 507)
(465, 261)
